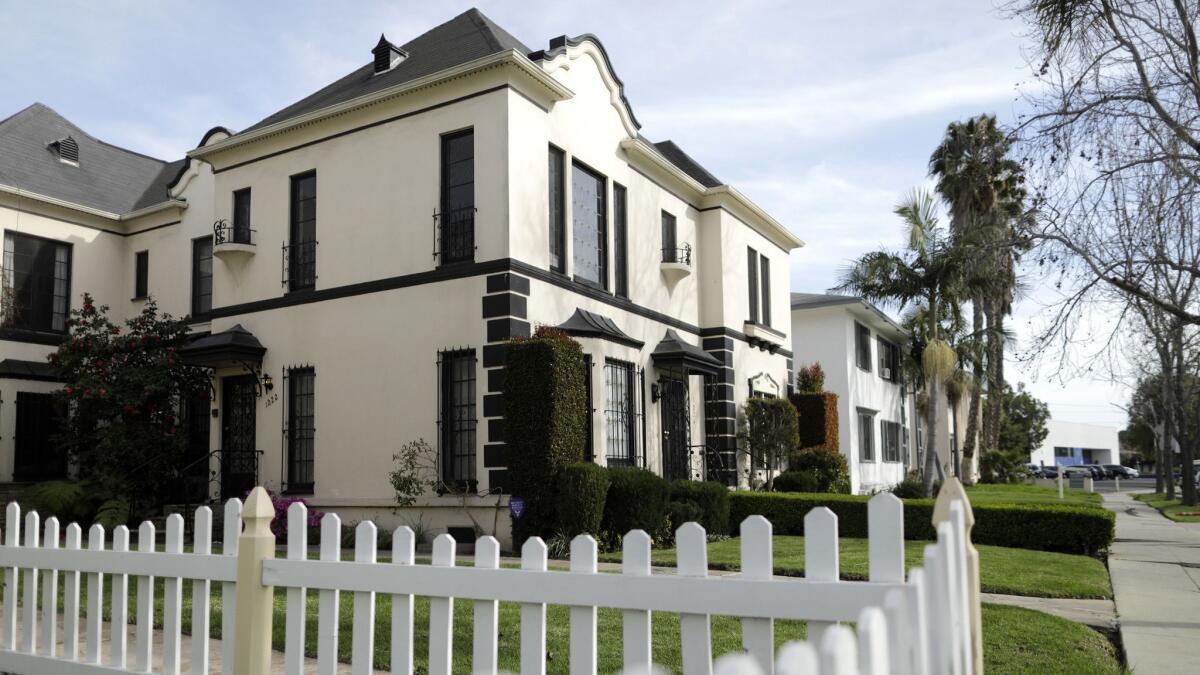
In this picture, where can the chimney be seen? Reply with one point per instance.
(387, 55)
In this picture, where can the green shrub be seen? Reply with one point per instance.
(582, 490)
(710, 497)
(910, 488)
(829, 467)
(810, 379)
(683, 512)
(767, 433)
(817, 415)
(1062, 528)
(797, 481)
(544, 420)
(66, 500)
(637, 500)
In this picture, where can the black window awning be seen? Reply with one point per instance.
(589, 324)
(16, 369)
(236, 346)
(674, 352)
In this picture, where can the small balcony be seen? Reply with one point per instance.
(676, 262)
(454, 235)
(232, 241)
(300, 266)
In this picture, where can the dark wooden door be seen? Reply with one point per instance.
(37, 454)
(676, 428)
(239, 454)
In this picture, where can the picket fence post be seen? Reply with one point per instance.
(952, 490)
(252, 647)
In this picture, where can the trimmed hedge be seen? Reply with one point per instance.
(805, 480)
(582, 493)
(817, 415)
(637, 500)
(710, 498)
(544, 422)
(1061, 528)
(827, 466)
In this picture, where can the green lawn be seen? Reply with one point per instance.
(1170, 508)
(1017, 641)
(1002, 570)
(1028, 494)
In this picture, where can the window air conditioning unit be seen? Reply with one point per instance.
(887, 373)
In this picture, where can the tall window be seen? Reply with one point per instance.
(141, 274)
(889, 360)
(202, 276)
(241, 216)
(866, 436)
(457, 416)
(670, 239)
(889, 434)
(456, 222)
(862, 346)
(558, 211)
(37, 281)
(619, 414)
(302, 251)
(764, 270)
(620, 242)
(588, 217)
(752, 279)
(302, 428)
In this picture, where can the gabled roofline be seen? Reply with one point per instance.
(719, 196)
(119, 217)
(510, 57)
(850, 300)
(558, 47)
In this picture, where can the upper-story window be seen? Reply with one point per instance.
(670, 238)
(558, 210)
(862, 346)
(764, 289)
(620, 242)
(302, 251)
(37, 283)
(202, 253)
(588, 218)
(752, 282)
(889, 360)
(866, 436)
(241, 216)
(456, 222)
(141, 274)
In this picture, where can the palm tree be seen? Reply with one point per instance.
(984, 190)
(927, 271)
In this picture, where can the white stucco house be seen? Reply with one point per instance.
(354, 263)
(1069, 443)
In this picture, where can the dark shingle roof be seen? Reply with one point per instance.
(108, 178)
(466, 37)
(157, 190)
(691, 167)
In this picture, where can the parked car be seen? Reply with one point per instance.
(1049, 472)
(1098, 472)
(1122, 471)
(1034, 470)
(1077, 470)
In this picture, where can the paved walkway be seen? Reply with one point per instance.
(1155, 569)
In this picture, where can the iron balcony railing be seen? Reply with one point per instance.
(454, 235)
(681, 255)
(300, 265)
(225, 232)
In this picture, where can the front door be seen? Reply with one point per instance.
(37, 454)
(676, 428)
(239, 456)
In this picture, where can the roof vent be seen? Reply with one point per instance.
(67, 149)
(387, 55)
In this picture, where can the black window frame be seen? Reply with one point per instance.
(620, 208)
(141, 275)
(889, 438)
(601, 226)
(866, 436)
(59, 303)
(862, 346)
(456, 224)
(198, 310)
(888, 356)
(752, 282)
(241, 221)
(620, 417)
(669, 237)
(556, 193)
(301, 429)
(457, 432)
(302, 244)
(764, 289)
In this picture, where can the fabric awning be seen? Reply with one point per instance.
(674, 352)
(589, 324)
(235, 346)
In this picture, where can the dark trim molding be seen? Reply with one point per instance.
(738, 335)
(32, 337)
(363, 127)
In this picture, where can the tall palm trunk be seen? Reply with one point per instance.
(996, 365)
(968, 445)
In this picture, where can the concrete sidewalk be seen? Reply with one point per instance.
(1155, 569)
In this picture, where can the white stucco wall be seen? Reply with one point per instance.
(1102, 441)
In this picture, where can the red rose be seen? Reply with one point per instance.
(103, 391)
(129, 409)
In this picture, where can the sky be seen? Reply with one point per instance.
(823, 113)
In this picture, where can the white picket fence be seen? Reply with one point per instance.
(922, 624)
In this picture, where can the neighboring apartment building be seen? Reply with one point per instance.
(1068, 443)
(355, 263)
(860, 348)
